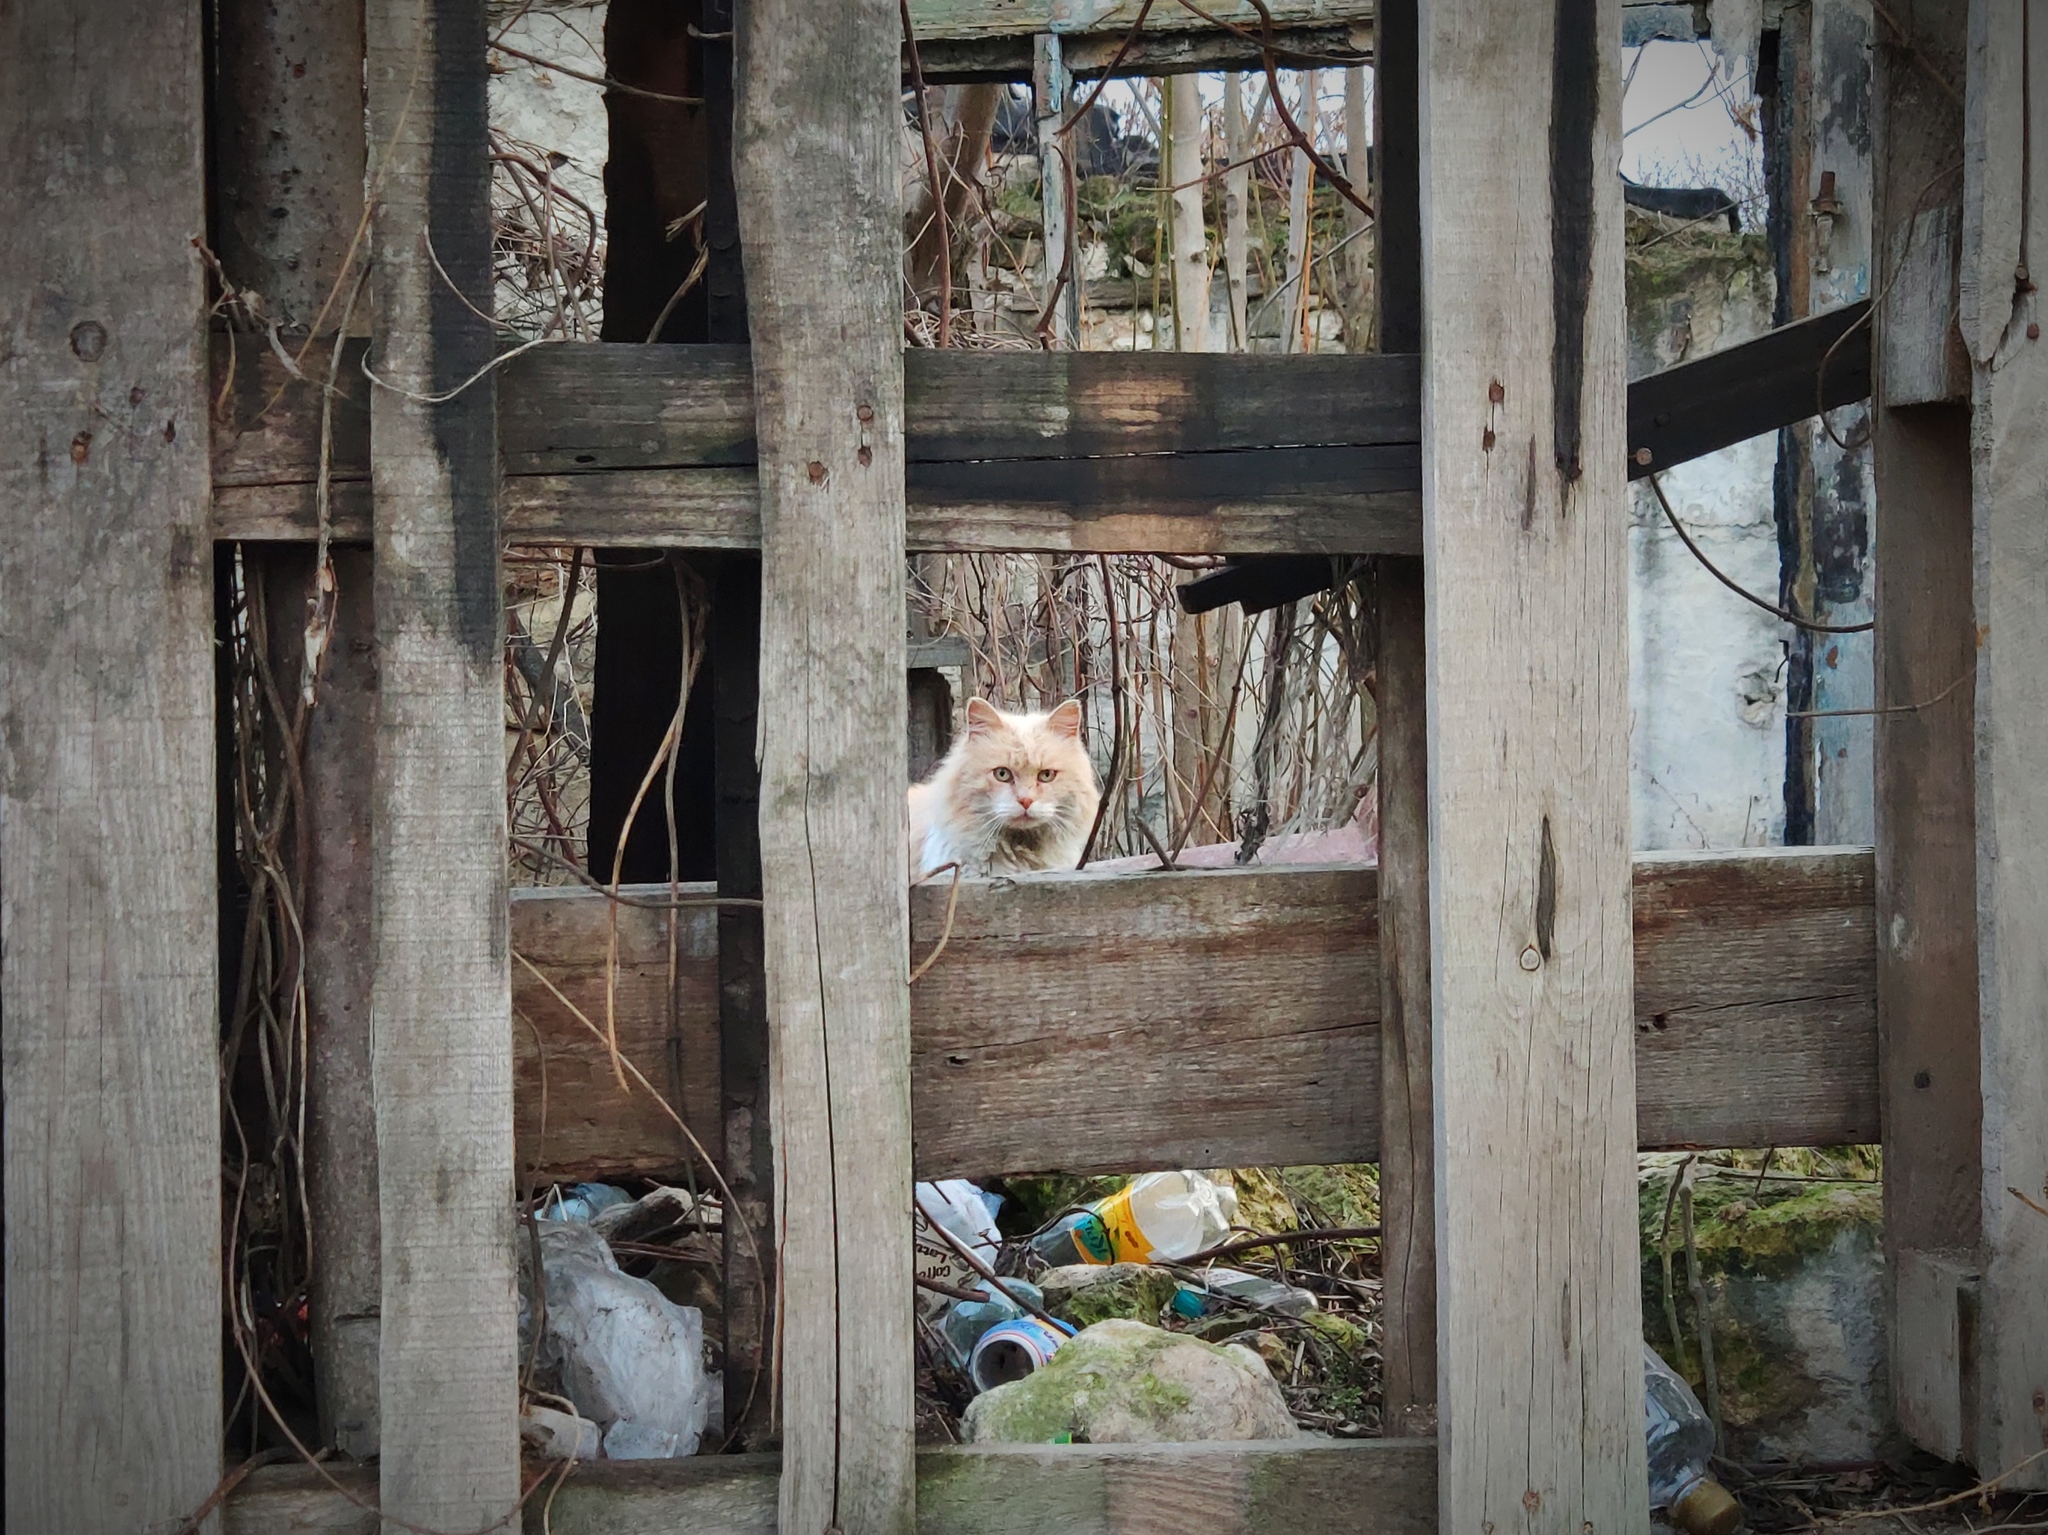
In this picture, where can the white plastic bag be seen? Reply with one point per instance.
(963, 1210)
(630, 1359)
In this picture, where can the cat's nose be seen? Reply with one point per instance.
(1023, 802)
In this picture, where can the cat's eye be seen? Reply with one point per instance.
(1003, 775)
(1047, 775)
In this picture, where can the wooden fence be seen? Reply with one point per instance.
(1502, 1014)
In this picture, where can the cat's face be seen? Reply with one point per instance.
(1019, 771)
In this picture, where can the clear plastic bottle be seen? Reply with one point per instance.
(1680, 1438)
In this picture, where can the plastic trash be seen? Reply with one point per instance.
(1680, 1438)
(1076, 1237)
(969, 1215)
(1159, 1217)
(557, 1435)
(1215, 1289)
(1012, 1350)
(967, 1320)
(583, 1201)
(629, 1358)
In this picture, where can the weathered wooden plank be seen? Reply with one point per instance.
(1305, 1487)
(107, 904)
(1540, 1387)
(573, 1117)
(590, 409)
(821, 233)
(1237, 1012)
(1924, 776)
(441, 1052)
(960, 19)
(743, 1034)
(1753, 998)
(287, 125)
(2005, 215)
(1726, 397)
(1169, 1015)
(1407, 1088)
(1407, 1091)
(1090, 55)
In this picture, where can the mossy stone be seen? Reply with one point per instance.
(1122, 1382)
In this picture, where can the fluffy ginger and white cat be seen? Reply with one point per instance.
(1016, 793)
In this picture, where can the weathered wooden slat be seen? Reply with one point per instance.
(108, 906)
(1540, 1384)
(1304, 1487)
(1407, 1092)
(589, 409)
(1087, 452)
(2004, 196)
(1726, 397)
(1224, 1017)
(1090, 55)
(816, 145)
(441, 1056)
(1924, 760)
(959, 19)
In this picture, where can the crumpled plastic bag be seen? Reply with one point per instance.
(630, 1358)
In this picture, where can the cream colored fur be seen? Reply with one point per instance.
(1016, 793)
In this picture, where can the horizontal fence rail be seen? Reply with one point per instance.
(1304, 1487)
(1099, 1023)
(1072, 451)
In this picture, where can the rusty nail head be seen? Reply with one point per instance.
(1643, 456)
(2033, 330)
(817, 472)
(865, 412)
(80, 446)
(1496, 392)
(866, 455)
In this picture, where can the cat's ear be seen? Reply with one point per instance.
(982, 717)
(1066, 720)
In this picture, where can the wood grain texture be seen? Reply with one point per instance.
(953, 19)
(331, 863)
(1525, 528)
(108, 908)
(1065, 452)
(1924, 772)
(1753, 998)
(816, 145)
(1407, 1108)
(287, 127)
(1167, 1015)
(1238, 1013)
(1307, 1487)
(591, 1127)
(440, 992)
(1407, 1086)
(2005, 217)
(1089, 55)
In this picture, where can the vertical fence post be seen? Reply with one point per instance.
(1924, 783)
(108, 972)
(1525, 526)
(288, 167)
(817, 140)
(2005, 243)
(441, 989)
(1407, 1121)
